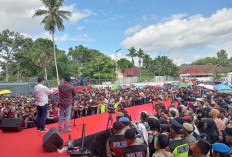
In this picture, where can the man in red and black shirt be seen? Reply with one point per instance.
(133, 149)
(66, 93)
(117, 142)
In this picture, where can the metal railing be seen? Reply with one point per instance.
(127, 80)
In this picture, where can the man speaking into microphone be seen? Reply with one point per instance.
(66, 94)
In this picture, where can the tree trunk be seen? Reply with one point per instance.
(54, 48)
(46, 75)
(7, 70)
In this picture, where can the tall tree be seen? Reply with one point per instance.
(165, 66)
(222, 57)
(147, 61)
(43, 48)
(132, 54)
(53, 19)
(140, 55)
(10, 43)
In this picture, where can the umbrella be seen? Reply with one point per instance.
(182, 85)
(201, 85)
(6, 91)
(141, 86)
(211, 87)
(118, 87)
(160, 87)
(223, 87)
(189, 83)
(174, 83)
(225, 91)
(227, 83)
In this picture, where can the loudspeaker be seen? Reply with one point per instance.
(52, 140)
(12, 124)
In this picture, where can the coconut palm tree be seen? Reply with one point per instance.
(53, 20)
(132, 54)
(140, 55)
(147, 61)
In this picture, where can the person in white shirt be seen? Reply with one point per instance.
(41, 97)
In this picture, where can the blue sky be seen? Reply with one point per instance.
(184, 30)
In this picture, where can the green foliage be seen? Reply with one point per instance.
(221, 59)
(10, 44)
(140, 54)
(53, 15)
(123, 64)
(217, 75)
(162, 66)
(132, 54)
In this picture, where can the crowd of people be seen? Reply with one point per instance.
(197, 121)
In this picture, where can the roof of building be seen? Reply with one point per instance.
(201, 69)
(132, 71)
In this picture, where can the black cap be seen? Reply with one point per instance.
(118, 125)
(229, 131)
(175, 125)
(130, 134)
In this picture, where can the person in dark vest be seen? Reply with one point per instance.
(117, 142)
(133, 149)
(178, 145)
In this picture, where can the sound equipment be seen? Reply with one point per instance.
(12, 124)
(52, 140)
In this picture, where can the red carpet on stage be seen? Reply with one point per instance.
(28, 143)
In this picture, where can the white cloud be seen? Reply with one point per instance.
(79, 28)
(178, 35)
(17, 15)
(132, 29)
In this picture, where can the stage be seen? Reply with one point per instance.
(29, 142)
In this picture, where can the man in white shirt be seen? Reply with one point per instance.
(41, 97)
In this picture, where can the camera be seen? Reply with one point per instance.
(110, 109)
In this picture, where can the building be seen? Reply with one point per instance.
(201, 72)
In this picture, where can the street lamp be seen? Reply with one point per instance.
(117, 64)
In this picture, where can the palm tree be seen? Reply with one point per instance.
(140, 54)
(132, 54)
(147, 61)
(53, 19)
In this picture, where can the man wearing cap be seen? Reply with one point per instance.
(187, 132)
(220, 150)
(117, 142)
(133, 149)
(126, 124)
(178, 146)
(66, 94)
(119, 115)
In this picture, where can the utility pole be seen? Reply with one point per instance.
(117, 65)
